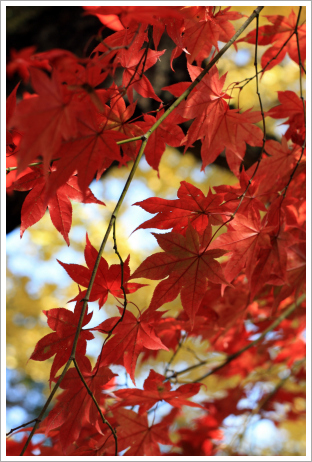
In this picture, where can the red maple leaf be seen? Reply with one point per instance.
(45, 120)
(245, 237)
(230, 130)
(92, 151)
(75, 408)
(154, 390)
(107, 279)
(59, 204)
(116, 117)
(59, 343)
(216, 124)
(167, 133)
(233, 193)
(276, 169)
(209, 92)
(21, 62)
(188, 265)
(133, 14)
(143, 439)
(135, 63)
(276, 35)
(192, 206)
(131, 337)
(204, 28)
(291, 107)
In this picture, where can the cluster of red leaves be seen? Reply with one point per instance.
(252, 271)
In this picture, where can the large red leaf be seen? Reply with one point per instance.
(64, 322)
(131, 337)
(75, 408)
(155, 389)
(143, 439)
(192, 206)
(45, 120)
(107, 279)
(245, 237)
(218, 126)
(188, 266)
(229, 130)
(205, 28)
(276, 35)
(23, 60)
(91, 152)
(168, 133)
(59, 204)
(291, 107)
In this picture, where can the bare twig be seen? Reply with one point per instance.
(235, 355)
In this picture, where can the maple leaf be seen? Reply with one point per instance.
(110, 52)
(192, 206)
(75, 408)
(143, 439)
(134, 14)
(107, 279)
(45, 120)
(296, 273)
(204, 29)
(167, 133)
(291, 106)
(116, 117)
(92, 151)
(233, 193)
(207, 93)
(280, 163)
(245, 237)
(59, 343)
(134, 64)
(216, 124)
(131, 336)
(229, 130)
(59, 204)
(11, 138)
(272, 263)
(276, 35)
(188, 265)
(154, 390)
(21, 62)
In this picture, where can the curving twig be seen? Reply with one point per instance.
(235, 355)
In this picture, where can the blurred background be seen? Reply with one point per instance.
(36, 282)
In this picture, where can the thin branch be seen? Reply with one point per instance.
(121, 199)
(109, 333)
(303, 105)
(264, 402)
(122, 275)
(174, 354)
(34, 164)
(21, 426)
(233, 356)
(97, 406)
(249, 79)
